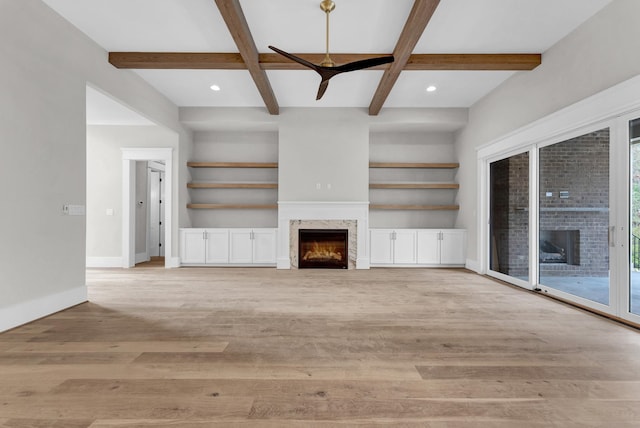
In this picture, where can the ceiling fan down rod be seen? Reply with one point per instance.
(327, 6)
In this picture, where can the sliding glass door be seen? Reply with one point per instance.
(560, 213)
(509, 217)
(573, 217)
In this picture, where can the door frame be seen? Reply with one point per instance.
(129, 158)
(614, 210)
(624, 195)
(533, 204)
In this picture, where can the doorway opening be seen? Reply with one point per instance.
(150, 233)
(130, 157)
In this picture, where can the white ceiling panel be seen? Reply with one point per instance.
(299, 89)
(149, 25)
(104, 110)
(454, 88)
(298, 26)
(193, 87)
(503, 26)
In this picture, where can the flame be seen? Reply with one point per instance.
(322, 251)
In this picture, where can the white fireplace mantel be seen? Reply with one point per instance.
(358, 211)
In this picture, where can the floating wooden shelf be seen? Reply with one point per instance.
(413, 165)
(233, 206)
(232, 164)
(232, 185)
(414, 207)
(414, 186)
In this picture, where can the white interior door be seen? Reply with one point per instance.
(156, 213)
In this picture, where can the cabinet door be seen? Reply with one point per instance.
(264, 246)
(192, 246)
(404, 251)
(240, 246)
(217, 245)
(452, 247)
(429, 247)
(381, 246)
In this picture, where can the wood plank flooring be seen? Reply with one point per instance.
(206, 347)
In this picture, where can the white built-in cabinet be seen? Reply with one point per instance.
(228, 246)
(252, 246)
(420, 247)
(391, 246)
(204, 246)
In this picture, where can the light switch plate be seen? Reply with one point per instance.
(69, 209)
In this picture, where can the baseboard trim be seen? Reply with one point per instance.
(174, 262)
(104, 262)
(363, 263)
(473, 265)
(283, 263)
(23, 313)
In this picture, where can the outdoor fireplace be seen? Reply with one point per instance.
(560, 246)
(323, 249)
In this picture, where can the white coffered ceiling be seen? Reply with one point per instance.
(298, 26)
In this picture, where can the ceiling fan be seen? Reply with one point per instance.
(327, 68)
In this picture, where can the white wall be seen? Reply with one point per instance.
(104, 184)
(599, 54)
(325, 148)
(46, 65)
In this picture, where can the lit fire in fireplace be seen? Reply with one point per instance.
(323, 251)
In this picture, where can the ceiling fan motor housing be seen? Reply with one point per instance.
(327, 5)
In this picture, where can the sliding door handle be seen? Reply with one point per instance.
(612, 236)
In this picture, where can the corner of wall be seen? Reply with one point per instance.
(25, 312)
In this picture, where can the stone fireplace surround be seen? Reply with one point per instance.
(353, 216)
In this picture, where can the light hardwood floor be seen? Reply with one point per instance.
(205, 347)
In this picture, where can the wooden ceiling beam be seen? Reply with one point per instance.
(473, 62)
(417, 21)
(268, 61)
(239, 29)
(177, 60)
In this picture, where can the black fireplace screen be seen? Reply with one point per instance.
(560, 246)
(323, 249)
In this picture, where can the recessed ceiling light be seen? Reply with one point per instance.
(431, 88)
(215, 88)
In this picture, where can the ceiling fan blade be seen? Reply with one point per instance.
(365, 63)
(322, 89)
(295, 58)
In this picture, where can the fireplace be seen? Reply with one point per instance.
(323, 249)
(560, 246)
